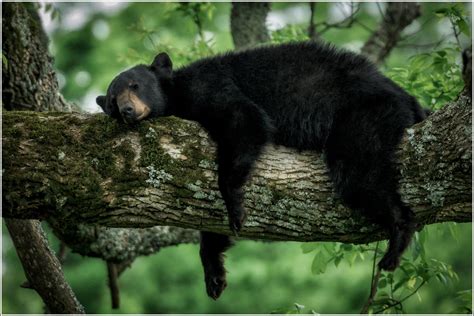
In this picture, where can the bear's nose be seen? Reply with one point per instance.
(127, 110)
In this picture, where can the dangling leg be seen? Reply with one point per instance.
(401, 226)
(373, 191)
(212, 251)
(239, 145)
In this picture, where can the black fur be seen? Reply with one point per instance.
(307, 96)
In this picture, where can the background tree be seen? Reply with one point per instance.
(153, 41)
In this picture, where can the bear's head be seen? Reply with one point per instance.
(137, 94)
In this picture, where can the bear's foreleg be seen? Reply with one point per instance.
(212, 250)
(240, 129)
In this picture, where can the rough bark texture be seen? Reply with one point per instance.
(398, 15)
(90, 169)
(247, 23)
(120, 244)
(29, 81)
(42, 268)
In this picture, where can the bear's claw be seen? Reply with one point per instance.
(215, 286)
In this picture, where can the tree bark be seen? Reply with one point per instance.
(42, 268)
(29, 80)
(247, 23)
(397, 16)
(90, 169)
(119, 244)
(30, 84)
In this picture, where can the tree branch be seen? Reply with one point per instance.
(119, 244)
(397, 16)
(247, 23)
(90, 169)
(42, 267)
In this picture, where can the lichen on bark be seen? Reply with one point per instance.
(163, 173)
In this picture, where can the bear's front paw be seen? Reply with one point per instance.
(215, 285)
(237, 220)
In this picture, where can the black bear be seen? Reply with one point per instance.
(308, 96)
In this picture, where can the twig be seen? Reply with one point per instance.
(365, 27)
(381, 12)
(429, 45)
(113, 284)
(456, 34)
(402, 300)
(345, 23)
(312, 34)
(62, 254)
(373, 282)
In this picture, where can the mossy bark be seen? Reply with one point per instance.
(29, 80)
(29, 83)
(90, 169)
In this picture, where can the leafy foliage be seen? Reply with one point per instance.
(416, 269)
(290, 33)
(457, 16)
(433, 78)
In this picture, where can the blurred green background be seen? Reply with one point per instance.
(92, 42)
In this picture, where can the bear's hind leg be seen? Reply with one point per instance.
(212, 250)
(401, 226)
(373, 191)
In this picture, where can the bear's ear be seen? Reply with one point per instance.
(162, 65)
(100, 100)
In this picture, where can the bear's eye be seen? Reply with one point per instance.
(133, 86)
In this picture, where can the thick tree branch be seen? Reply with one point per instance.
(26, 49)
(397, 16)
(90, 169)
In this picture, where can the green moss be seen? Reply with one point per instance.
(62, 176)
(153, 155)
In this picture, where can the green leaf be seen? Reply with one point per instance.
(442, 12)
(307, 247)
(382, 283)
(299, 307)
(463, 27)
(346, 247)
(4, 61)
(411, 282)
(320, 263)
(338, 259)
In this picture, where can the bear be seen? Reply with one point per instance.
(304, 95)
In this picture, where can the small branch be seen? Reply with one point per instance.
(347, 22)
(397, 16)
(113, 284)
(62, 254)
(373, 282)
(312, 34)
(455, 32)
(402, 300)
